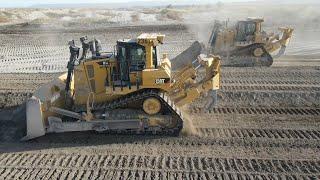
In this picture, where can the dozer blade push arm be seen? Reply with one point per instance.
(280, 44)
(186, 88)
(286, 35)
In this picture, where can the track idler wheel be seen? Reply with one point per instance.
(258, 52)
(151, 106)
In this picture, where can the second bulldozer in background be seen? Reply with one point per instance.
(246, 44)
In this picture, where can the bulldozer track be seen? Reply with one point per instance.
(270, 82)
(32, 51)
(244, 57)
(206, 137)
(230, 87)
(208, 141)
(260, 133)
(17, 90)
(141, 95)
(66, 166)
(243, 137)
(260, 111)
(269, 99)
(61, 173)
(14, 98)
(273, 72)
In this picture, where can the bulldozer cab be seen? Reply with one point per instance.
(246, 30)
(131, 57)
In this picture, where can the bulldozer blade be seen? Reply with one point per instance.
(35, 127)
(281, 52)
(187, 56)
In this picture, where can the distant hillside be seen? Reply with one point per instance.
(148, 3)
(127, 4)
(99, 5)
(291, 1)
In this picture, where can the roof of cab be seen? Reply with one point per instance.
(127, 40)
(255, 19)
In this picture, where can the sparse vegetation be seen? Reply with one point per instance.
(170, 14)
(55, 15)
(135, 17)
(3, 19)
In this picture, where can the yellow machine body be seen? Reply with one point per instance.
(106, 79)
(95, 76)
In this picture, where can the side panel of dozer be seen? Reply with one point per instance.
(35, 127)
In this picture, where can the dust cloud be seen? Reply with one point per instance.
(188, 126)
(301, 17)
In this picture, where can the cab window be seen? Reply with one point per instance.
(155, 57)
(137, 58)
(122, 53)
(251, 28)
(241, 33)
(245, 29)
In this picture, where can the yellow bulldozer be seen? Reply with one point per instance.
(246, 44)
(129, 90)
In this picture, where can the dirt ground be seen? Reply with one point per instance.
(266, 124)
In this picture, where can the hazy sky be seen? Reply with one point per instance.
(26, 3)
